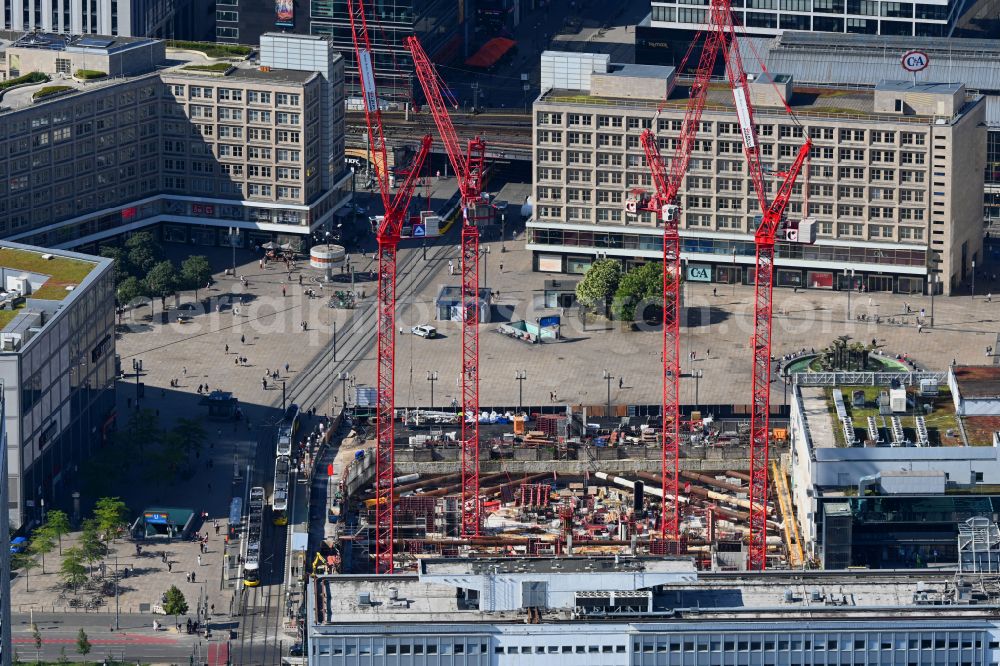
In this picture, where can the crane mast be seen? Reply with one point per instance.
(664, 202)
(468, 169)
(387, 235)
(764, 240)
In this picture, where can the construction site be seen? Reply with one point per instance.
(555, 485)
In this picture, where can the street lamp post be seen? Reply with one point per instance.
(973, 279)
(432, 377)
(608, 377)
(334, 341)
(850, 288)
(486, 264)
(503, 231)
(282, 394)
(232, 244)
(137, 365)
(520, 376)
(117, 615)
(735, 277)
(934, 281)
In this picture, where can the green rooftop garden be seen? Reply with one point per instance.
(221, 67)
(63, 272)
(88, 74)
(939, 420)
(31, 77)
(49, 91)
(211, 49)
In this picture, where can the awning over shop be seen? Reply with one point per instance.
(491, 51)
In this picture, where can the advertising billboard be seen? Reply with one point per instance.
(284, 13)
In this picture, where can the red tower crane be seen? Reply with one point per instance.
(387, 235)
(468, 167)
(764, 240)
(665, 203)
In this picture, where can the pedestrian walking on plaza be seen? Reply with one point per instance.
(715, 292)
(236, 361)
(501, 267)
(263, 383)
(920, 328)
(286, 368)
(284, 292)
(243, 339)
(989, 298)
(451, 267)
(170, 566)
(621, 382)
(199, 560)
(184, 371)
(193, 577)
(300, 279)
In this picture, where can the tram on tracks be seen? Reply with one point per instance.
(279, 498)
(254, 535)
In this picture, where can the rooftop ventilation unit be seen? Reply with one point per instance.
(898, 438)
(922, 438)
(849, 437)
(873, 431)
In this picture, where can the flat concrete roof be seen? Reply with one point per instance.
(920, 87)
(777, 594)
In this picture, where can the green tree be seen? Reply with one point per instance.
(83, 645)
(161, 280)
(599, 284)
(643, 283)
(90, 544)
(191, 433)
(143, 429)
(130, 289)
(58, 522)
(195, 272)
(24, 562)
(36, 636)
(143, 252)
(72, 570)
(111, 514)
(42, 543)
(175, 604)
(122, 268)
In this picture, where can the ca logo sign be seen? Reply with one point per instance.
(915, 61)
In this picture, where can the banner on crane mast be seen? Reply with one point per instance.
(367, 80)
(743, 114)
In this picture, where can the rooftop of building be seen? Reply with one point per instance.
(243, 71)
(35, 284)
(105, 44)
(806, 101)
(977, 381)
(397, 599)
(826, 430)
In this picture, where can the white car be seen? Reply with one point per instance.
(424, 331)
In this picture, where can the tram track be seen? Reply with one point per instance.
(313, 385)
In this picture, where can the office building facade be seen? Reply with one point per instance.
(57, 366)
(256, 150)
(894, 181)
(165, 19)
(589, 611)
(439, 24)
(6, 649)
(934, 18)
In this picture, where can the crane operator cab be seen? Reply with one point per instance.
(670, 213)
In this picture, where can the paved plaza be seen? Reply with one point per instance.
(267, 331)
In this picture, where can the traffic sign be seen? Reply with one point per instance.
(419, 231)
